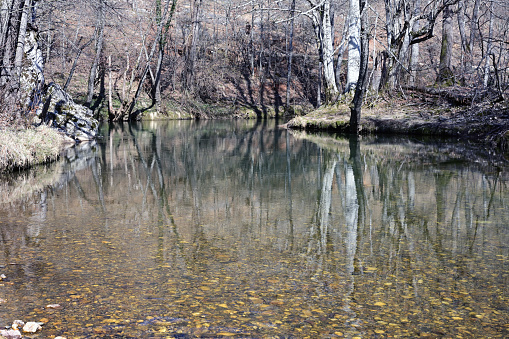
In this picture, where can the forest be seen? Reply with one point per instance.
(129, 59)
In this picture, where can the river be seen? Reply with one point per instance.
(242, 229)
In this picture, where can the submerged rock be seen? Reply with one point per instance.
(10, 334)
(16, 324)
(32, 327)
(14, 332)
(54, 306)
(60, 111)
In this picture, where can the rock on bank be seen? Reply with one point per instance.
(61, 112)
(53, 106)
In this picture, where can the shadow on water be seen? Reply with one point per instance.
(239, 228)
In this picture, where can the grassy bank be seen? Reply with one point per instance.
(484, 123)
(28, 147)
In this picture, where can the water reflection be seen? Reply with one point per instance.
(210, 229)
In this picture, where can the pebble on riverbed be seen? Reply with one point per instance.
(54, 306)
(10, 334)
(32, 327)
(14, 331)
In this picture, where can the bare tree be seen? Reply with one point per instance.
(354, 45)
(14, 25)
(360, 89)
(127, 109)
(489, 47)
(99, 41)
(401, 18)
(445, 74)
(320, 14)
(290, 54)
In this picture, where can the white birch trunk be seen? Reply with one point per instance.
(331, 89)
(354, 46)
(20, 48)
(414, 49)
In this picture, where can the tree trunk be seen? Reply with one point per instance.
(474, 32)
(414, 49)
(341, 52)
(356, 105)
(157, 84)
(331, 90)
(75, 63)
(466, 64)
(487, 56)
(5, 15)
(156, 90)
(392, 29)
(354, 46)
(321, 17)
(191, 59)
(10, 35)
(400, 23)
(20, 52)
(49, 39)
(127, 110)
(14, 82)
(110, 98)
(445, 74)
(319, 85)
(98, 50)
(251, 42)
(290, 55)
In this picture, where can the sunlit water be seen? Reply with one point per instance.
(217, 229)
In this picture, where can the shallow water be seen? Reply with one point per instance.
(240, 229)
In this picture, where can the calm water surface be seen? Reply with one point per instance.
(223, 229)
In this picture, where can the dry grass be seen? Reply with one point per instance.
(28, 147)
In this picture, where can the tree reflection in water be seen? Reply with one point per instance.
(237, 228)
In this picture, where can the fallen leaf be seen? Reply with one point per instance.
(227, 334)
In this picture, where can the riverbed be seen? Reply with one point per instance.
(243, 229)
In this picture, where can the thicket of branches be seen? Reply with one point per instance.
(128, 56)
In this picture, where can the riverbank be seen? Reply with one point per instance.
(23, 148)
(486, 123)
